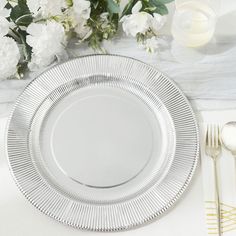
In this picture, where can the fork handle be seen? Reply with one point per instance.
(217, 197)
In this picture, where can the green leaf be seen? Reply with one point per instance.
(164, 1)
(16, 13)
(113, 7)
(8, 6)
(69, 3)
(14, 34)
(128, 8)
(95, 3)
(24, 20)
(115, 20)
(22, 3)
(27, 50)
(20, 10)
(160, 8)
(150, 9)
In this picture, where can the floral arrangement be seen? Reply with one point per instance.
(35, 33)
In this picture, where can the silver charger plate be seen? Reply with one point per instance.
(102, 142)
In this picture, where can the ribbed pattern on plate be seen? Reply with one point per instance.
(118, 215)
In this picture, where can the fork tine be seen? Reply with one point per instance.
(219, 138)
(215, 135)
(210, 135)
(207, 136)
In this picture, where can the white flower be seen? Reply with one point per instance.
(141, 22)
(3, 11)
(158, 22)
(47, 42)
(4, 26)
(2, 4)
(137, 7)
(46, 8)
(137, 22)
(81, 9)
(9, 57)
(4, 23)
(79, 15)
(82, 30)
(34, 6)
(151, 44)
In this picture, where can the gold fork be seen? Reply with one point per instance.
(213, 149)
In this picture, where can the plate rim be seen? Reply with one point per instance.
(168, 206)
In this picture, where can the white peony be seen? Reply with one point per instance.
(3, 11)
(4, 23)
(137, 22)
(2, 4)
(47, 41)
(141, 22)
(79, 14)
(34, 6)
(9, 57)
(46, 8)
(158, 22)
(4, 26)
(81, 9)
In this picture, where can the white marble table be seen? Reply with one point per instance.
(210, 84)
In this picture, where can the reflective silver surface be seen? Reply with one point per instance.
(228, 134)
(102, 143)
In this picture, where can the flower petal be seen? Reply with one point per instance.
(137, 7)
(9, 57)
(4, 26)
(5, 12)
(158, 22)
(2, 4)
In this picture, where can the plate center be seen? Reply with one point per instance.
(101, 137)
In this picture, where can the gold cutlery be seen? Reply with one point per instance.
(213, 150)
(228, 217)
